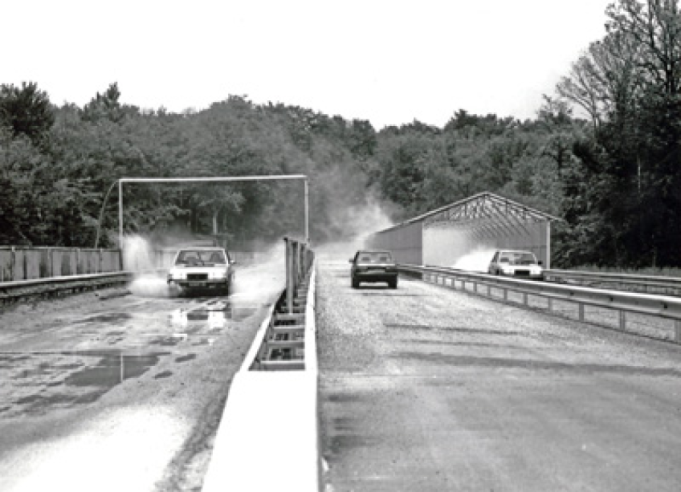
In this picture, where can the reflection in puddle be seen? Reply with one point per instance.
(113, 369)
(64, 379)
(211, 318)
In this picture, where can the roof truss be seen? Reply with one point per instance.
(485, 214)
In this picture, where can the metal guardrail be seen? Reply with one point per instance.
(637, 283)
(621, 302)
(281, 342)
(272, 403)
(13, 291)
(299, 258)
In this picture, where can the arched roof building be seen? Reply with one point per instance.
(483, 222)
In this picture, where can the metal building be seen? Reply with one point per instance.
(482, 222)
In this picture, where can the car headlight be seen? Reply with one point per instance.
(217, 275)
(506, 269)
(177, 275)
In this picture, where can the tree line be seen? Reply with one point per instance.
(602, 153)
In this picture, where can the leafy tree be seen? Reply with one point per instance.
(629, 85)
(26, 110)
(105, 106)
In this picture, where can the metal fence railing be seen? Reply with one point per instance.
(29, 263)
(12, 292)
(498, 288)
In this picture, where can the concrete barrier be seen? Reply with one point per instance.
(268, 438)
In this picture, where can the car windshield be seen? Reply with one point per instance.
(518, 258)
(374, 257)
(192, 257)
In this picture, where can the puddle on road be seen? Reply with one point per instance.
(74, 377)
(185, 358)
(113, 369)
(105, 318)
(42, 382)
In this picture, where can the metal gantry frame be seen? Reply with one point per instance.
(283, 177)
(488, 209)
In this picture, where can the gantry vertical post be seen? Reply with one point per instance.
(120, 215)
(307, 212)
(548, 245)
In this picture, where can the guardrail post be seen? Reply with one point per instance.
(289, 276)
(623, 320)
(525, 298)
(550, 304)
(581, 311)
(677, 331)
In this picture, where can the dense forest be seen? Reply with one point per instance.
(603, 153)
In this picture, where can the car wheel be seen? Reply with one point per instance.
(355, 283)
(393, 284)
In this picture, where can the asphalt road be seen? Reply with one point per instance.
(121, 389)
(425, 388)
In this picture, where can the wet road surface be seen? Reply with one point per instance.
(119, 389)
(424, 388)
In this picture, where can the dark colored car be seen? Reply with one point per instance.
(202, 269)
(373, 266)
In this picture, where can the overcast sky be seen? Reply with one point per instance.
(386, 61)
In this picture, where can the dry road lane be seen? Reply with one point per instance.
(424, 388)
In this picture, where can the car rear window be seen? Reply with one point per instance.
(375, 257)
(200, 257)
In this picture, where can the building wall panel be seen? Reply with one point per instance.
(446, 244)
(405, 242)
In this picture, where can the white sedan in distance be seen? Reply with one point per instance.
(519, 264)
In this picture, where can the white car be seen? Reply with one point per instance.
(520, 264)
(202, 269)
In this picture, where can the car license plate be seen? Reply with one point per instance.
(198, 284)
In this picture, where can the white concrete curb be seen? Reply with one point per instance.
(268, 437)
